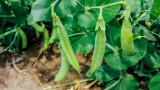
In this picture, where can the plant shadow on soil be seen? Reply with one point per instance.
(42, 71)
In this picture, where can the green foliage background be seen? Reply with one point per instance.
(80, 25)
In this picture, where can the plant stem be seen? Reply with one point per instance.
(55, 2)
(77, 34)
(80, 4)
(138, 19)
(10, 44)
(116, 3)
(114, 84)
(112, 48)
(144, 28)
(7, 33)
(73, 83)
(139, 37)
(7, 16)
(150, 71)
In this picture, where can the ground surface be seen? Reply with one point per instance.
(42, 68)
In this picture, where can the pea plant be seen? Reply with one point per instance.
(123, 35)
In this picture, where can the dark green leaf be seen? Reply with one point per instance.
(104, 73)
(83, 43)
(154, 84)
(125, 61)
(16, 13)
(127, 83)
(152, 59)
(41, 11)
(155, 11)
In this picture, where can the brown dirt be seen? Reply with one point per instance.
(42, 67)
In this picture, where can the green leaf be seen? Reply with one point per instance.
(104, 73)
(115, 61)
(41, 10)
(146, 32)
(70, 21)
(127, 83)
(65, 7)
(154, 84)
(86, 20)
(152, 59)
(83, 43)
(134, 4)
(155, 11)
(17, 14)
(107, 15)
(113, 31)
(123, 61)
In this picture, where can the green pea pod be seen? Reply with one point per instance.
(38, 34)
(127, 35)
(38, 27)
(54, 33)
(46, 40)
(99, 50)
(100, 43)
(23, 38)
(64, 69)
(66, 46)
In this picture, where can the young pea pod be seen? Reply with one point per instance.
(66, 46)
(100, 43)
(54, 33)
(38, 34)
(38, 27)
(46, 40)
(23, 38)
(64, 69)
(127, 34)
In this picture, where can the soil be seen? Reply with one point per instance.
(42, 68)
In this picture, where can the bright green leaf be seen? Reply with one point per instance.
(134, 4)
(86, 20)
(65, 7)
(41, 10)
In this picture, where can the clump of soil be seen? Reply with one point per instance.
(42, 68)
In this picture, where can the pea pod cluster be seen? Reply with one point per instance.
(66, 46)
(127, 34)
(39, 29)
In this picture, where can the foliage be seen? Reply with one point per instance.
(78, 22)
